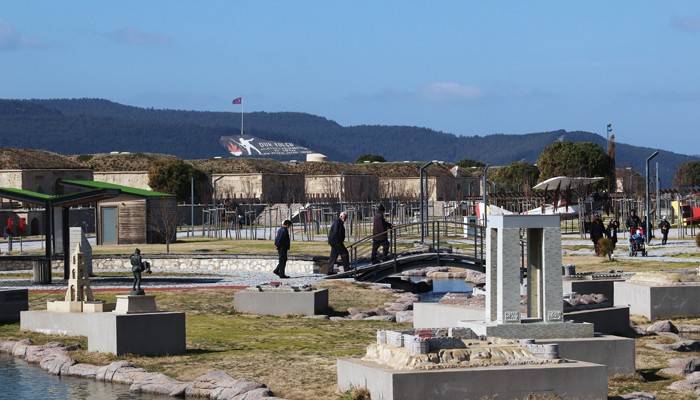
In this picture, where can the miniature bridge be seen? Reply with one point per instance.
(418, 245)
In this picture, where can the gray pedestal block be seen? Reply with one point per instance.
(659, 301)
(605, 287)
(280, 302)
(608, 321)
(436, 315)
(616, 353)
(157, 333)
(12, 302)
(574, 380)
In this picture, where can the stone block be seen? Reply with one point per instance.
(128, 304)
(436, 315)
(281, 302)
(604, 286)
(97, 306)
(608, 321)
(64, 306)
(56, 323)
(616, 353)
(12, 302)
(659, 301)
(573, 380)
(530, 330)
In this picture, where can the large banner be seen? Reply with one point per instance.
(249, 146)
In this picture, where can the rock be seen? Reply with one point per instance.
(20, 348)
(337, 319)
(636, 396)
(205, 385)
(105, 373)
(685, 346)
(255, 394)
(400, 306)
(662, 326)
(83, 370)
(690, 383)
(638, 330)
(57, 362)
(379, 311)
(676, 366)
(388, 318)
(354, 310)
(689, 328)
(128, 375)
(358, 316)
(691, 366)
(157, 383)
(404, 316)
(7, 346)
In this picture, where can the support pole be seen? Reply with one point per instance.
(192, 204)
(484, 186)
(646, 193)
(65, 216)
(47, 232)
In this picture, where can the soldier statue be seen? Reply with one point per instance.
(137, 267)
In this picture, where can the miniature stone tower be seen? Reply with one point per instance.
(79, 279)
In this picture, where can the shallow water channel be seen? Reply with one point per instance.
(20, 380)
(443, 286)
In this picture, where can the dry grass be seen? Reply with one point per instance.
(12, 158)
(294, 356)
(591, 263)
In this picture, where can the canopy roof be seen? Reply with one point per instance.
(565, 182)
(123, 189)
(67, 200)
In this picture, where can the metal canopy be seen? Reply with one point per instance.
(564, 182)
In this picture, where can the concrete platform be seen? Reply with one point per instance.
(616, 353)
(158, 333)
(436, 315)
(281, 302)
(608, 321)
(659, 301)
(530, 330)
(575, 380)
(598, 286)
(12, 302)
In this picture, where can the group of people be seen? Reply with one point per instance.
(634, 224)
(336, 240)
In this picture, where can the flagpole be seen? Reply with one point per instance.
(241, 117)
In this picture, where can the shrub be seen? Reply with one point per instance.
(606, 247)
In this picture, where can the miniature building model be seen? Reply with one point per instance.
(79, 296)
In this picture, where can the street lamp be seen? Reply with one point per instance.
(423, 193)
(646, 193)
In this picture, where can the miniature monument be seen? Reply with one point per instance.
(79, 296)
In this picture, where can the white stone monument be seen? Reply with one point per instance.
(543, 317)
(77, 237)
(79, 296)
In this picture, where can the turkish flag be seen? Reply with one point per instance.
(237, 100)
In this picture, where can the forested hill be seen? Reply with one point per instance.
(74, 126)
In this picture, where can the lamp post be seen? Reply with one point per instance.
(646, 193)
(423, 193)
(484, 186)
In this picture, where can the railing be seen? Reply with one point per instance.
(441, 237)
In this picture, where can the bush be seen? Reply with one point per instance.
(370, 158)
(356, 394)
(606, 247)
(173, 176)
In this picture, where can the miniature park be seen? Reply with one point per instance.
(444, 281)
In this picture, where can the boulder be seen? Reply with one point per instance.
(662, 326)
(635, 396)
(20, 348)
(244, 390)
(204, 385)
(57, 362)
(255, 394)
(685, 346)
(83, 370)
(387, 318)
(358, 316)
(157, 383)
(128, 375)
(690, 383)
(404, 316)
(106, 372)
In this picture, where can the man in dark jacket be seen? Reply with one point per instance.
(282, 243)
(380, 226)
(336, 239)
(665, 227)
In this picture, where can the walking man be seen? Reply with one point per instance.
(665, 227)
(380, 226)
(282, 243)
(336, 239)
(596, 231)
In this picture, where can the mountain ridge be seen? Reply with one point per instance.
(74, 126)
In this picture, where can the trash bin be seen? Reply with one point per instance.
(41, 271)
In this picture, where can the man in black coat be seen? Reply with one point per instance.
(336, 239)
(380, 226)
(633, 221)
(665, 227)
(282, 243)
(597, 229)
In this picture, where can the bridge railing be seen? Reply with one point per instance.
(438, 237)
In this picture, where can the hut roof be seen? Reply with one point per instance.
(242, 166)
(105, 162)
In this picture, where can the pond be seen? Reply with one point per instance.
(20, 380)
(442, 287)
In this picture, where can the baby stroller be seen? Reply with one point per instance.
(637, 242)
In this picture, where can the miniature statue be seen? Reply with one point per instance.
(137, 267)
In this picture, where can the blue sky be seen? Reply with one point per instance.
(464, 67)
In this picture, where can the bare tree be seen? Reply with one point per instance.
(163, 222)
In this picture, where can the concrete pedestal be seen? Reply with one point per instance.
(598, 286)
(530, 330)
(574, 380)
(608, 321)
(616, 353)
(12, 302)
(281, 302)
(436, 315)
(134, 304)
(659, 301)
(158, 333)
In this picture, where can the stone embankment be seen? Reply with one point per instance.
(217, 385)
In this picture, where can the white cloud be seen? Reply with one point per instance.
(11, 39)
(133, 36)
(686, 24)
(450, 91)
